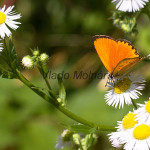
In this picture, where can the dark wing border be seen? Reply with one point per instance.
(129, 43)
(102, 36)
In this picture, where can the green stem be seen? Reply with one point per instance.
(134, 104)
(47, 83)
(43, 67)
(49, 87)
(137, 14)
(81, 147)
(61, 108)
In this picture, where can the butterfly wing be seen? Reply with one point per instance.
(111, 52)
(124, 65)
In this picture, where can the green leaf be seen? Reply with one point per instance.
(81, 129)
(90, 140)
(5, 73)
(62, 91)
(13, 54)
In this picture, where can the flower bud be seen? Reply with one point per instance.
(65, 140)
(66, 135)
(76, 138)
(43, 57)
(27, 62)
(36, 53)
(60, 101)
(116, 21)
(125, 28)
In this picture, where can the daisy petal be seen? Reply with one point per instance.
(8, 18)
(129, 5)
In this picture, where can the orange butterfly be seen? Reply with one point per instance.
(118, 56)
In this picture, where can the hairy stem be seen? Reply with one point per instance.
(61, 108)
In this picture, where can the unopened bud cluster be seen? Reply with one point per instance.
(124, 22)
(71, 139)
(29, 62)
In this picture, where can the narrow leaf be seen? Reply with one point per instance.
(62, 92)
(82, 129)
(12, 54)
(6, 74)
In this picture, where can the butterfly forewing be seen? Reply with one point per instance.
(104, 47)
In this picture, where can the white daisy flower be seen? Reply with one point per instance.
(124, 126)
(138, 138)
(129, 5)
(143, 113)
(7, 19)
(124, 89)
(1, 48)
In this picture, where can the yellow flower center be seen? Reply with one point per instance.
(2, 17)
(141, 132)
(122, 85)
(129, 121)
(147, 106)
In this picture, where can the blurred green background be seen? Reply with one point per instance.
(63, 29)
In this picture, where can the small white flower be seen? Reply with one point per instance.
(128, 122)
(1, 48)
(124, 89)
(65, 140)
(138, 138)
(7, 19)
(143, 113)
(129, 5)
(62, 144)
(27, 62)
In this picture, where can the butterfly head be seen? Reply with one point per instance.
(110, 76)
(110, 80)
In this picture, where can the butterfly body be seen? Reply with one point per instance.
(118, 56)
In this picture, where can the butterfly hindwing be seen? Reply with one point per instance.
(125, 65)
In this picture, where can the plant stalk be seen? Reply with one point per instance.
(61, 108)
